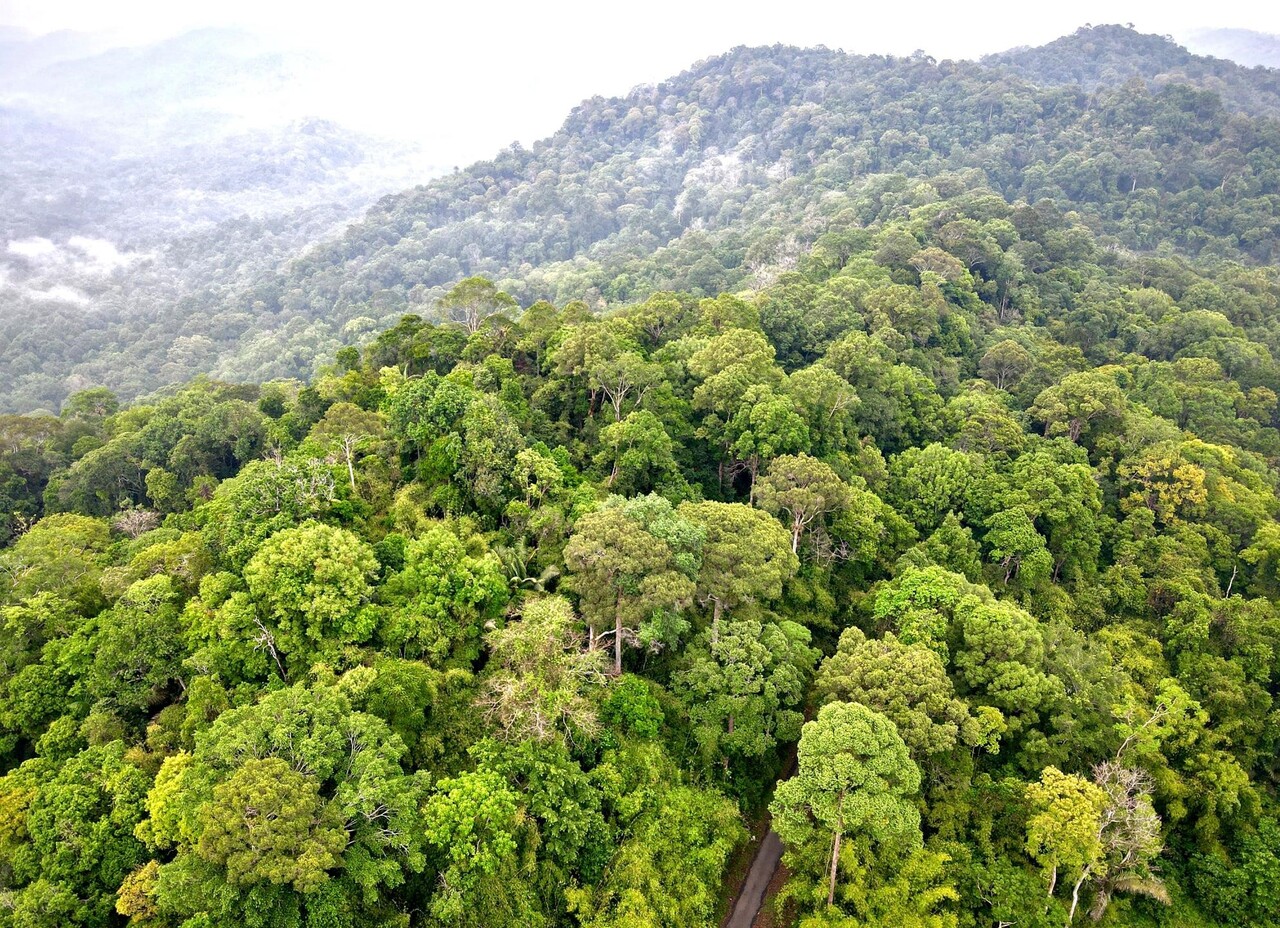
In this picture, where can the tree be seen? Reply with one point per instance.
(90, 404)
(311, 586)
(63, 551)
(744, 687)
(728, 366)
(1002, 657)
(349, 429)
(623, 573)
(921, 605)
(558, 799)
(265, 497)
(984, 423)
(764, 426)
(1129, 831)
(491, 440)
(269, 822)
(623, 375)
(74, 823)
(292, 805)
(1005, 363)
(138, 650)
(443, 599)
(473, 300)
(542, 686)
(673, 843)
(1017, 548)
(745, 555)
(805, 491)
(927, 483)
(638, 452)
(1063, 832)
(471, 821)
(951, 547)
(828, 403)
(909, 685)
(1080, 403)
(853, 776)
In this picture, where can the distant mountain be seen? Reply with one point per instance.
(22, 54)
(1097, 56)
(144, 143)
(714, 180)
(117, 160)
(1243, 46)
(188, 88)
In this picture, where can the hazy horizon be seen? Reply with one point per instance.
(463, 88)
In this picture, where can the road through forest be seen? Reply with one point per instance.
(751, 895)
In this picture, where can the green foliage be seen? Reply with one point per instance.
(854, 777)
(442, 599)
(341, 818)
(310, 587)
(744, 684)
(954, 429)
(908, 684)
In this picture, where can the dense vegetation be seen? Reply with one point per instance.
(515, 616)
(716, 179)
(511, 619)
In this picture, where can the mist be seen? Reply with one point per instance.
(461, 82)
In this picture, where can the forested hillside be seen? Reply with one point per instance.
(716, 179)
(889, 417)
(511, 620)
(137, 182)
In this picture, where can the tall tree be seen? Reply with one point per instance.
(745, 556)
(853, 776)
(745, 687)
(623, 573)
(804, 491)
(473, 300)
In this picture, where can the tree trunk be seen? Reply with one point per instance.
(795, 537)
(351, 471)
(835, 850)
(717, 609)
(617, 644)
(835, 856)
(1075, 896)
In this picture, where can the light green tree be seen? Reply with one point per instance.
(473, 300)
(471, 822)
(1064, 829)
(622, 573)
(443, 598)
(310, 586)
(804, 492)
(543, 680)
(854, 775)
(908, 683)
(746, 555)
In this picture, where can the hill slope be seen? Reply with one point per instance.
(717, 178)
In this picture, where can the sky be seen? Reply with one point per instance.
(466, 78)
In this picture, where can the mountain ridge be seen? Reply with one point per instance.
(714, 179)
